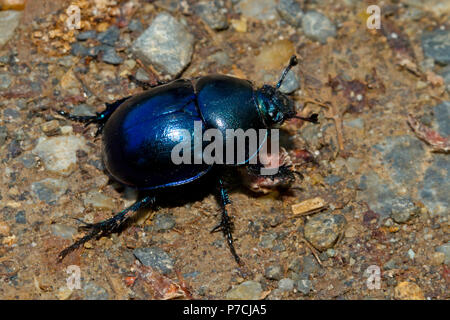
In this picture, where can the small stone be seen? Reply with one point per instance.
(304, 286)
(94, 292)
(248, 290)
(323, 229)
(99, 200)
(77, 49)
(268, 240)
(291, 12)
(258, 9)
(408, 291)
(164, 222)
(403, 209)
(110, 36)
(3, 135)
(436, 45)
(63, 231)
(14, 149)
(5, 80)
(83, 110)
(437, 258)
(212, 14)
(318, 27)
(21, 217)
(411, 254)
(141, 75)
(135, 25)
(167, 44)
(156, 258)
(332, 179)
(391, 264)
(310, 265)
(442, 117)
(9, 20)
(433, 190)
(109, 55)
(83, 36)
(290, 83)
(445, 249)
(4, 228)
(286, 284)
(49, 189)
(273, 272)
(331, 253)
(59, 153)
(51, 128)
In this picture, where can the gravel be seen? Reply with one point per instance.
(49, 189)
(166, 44)
(323, 229)
(258, 9)
(59, 153)
(63, 231)
(304, 286)
(110, 36)
(248, 290)
(290, 83)
(286, 284)
(9, 20)
(291, 12)
(317, 26)
(93, 291)
(213, 14)
(403, 209)
(156, 258)
(445, 249)
(273, 272)
(5, 80)
(436, 45)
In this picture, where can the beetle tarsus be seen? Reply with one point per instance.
(105, 227)
(144, 84)
(225, 225)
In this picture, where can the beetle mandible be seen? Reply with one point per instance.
(138, 136)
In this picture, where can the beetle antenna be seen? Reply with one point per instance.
(312, 118)
(292, 62)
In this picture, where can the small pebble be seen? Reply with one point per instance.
(304, 286)
(318, 27)
(93, 291)
(110, 36)
(248, 290)
(156, 258)
(59, 153)
(212, 14)
(323, 229)
(49, 189)
(286, 284)
(273, 272)
(90, 34)
(291, 12)
(436, 45)
(445, 249)
(99, 200)
(166, 44)
(403, 209)
(4, 229)
(63, 231)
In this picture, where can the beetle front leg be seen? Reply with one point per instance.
(225, 224)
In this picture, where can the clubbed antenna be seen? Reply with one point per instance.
(292, 62)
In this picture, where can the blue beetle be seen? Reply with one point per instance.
(138, 135)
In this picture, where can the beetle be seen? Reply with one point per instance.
(139, 132)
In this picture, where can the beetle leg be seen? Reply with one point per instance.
(225, 224)
(106, 227)
(100, 118)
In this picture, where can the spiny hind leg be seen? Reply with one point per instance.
(106, 227)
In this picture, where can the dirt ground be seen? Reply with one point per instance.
(388, 186)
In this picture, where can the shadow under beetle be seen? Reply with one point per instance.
(138, 136)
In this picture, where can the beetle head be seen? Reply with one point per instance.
(275, 106)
